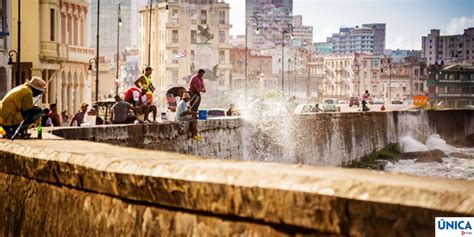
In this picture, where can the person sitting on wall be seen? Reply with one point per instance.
(139, 99)
(54, 116)
(184, 113)
(79, 116)
(171, 95)
(120, 112)
(17, 110)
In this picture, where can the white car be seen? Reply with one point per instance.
(329, 105)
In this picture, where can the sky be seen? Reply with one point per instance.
(407, 20)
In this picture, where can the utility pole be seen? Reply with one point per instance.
(119, 23)
(149, 33)
(18, 50)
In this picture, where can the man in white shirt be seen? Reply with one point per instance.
(184, 113)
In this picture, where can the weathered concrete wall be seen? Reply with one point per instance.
(322, 139)
(220, 138)
(71, 188)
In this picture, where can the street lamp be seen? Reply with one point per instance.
(97, 55)
(11, 53)
(119, 23)
(286, 30)
(257, 31)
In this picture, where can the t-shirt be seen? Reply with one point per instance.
(120, 111)
(182, 107)
(196, 85)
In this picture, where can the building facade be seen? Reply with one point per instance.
(273, 16)
(379, 37)
(451, 86)
(448, 49)
(109, 24)
(5, 46)
(401, 80)
(53, 42)
(259, 71)
(368, 39)
(324, 48)
(190, 35)
(302, 35)
(353, 40)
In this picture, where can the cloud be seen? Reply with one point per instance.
(457, 25)
(397, 43)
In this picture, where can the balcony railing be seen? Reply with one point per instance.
(80, 54)
(48, 50)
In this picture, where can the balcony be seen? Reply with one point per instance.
(80, 54)
(48, 50)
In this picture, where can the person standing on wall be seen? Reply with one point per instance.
(196, 86)
(145, 81)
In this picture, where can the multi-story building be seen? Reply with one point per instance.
(259, 71)
(368, 39)
(109, 24)
(5, 46)
(403, 79)
(379, 37)
(53, 42)
(399, 55)
(324, 48)
(302, 35)
(448, 49)
(451, 86)
(353, 40)
(273, 16)
(351, 75)
(187, 36)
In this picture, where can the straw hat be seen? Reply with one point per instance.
(37, 83)
(84, 105)
(186, 95)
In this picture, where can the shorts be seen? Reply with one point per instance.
(195, 101)
(149, 99)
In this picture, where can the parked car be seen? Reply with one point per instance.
(379, 101)
(329, 105)
(216, 113)
(354, 100)
(397, 102)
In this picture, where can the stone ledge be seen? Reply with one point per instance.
(327, 200)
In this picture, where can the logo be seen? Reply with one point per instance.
(454, 226)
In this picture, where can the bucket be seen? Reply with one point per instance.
(202, 114)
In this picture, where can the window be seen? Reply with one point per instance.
(52, 21)
(174, 59)
(193, 37)
(175, 16)
(221, 79)
(221, 37)
(422, 87)
(221, 56)
(203, 17)
(191, 57)
(174, 75)
(174, 36)
(222, 17)
(193, 17)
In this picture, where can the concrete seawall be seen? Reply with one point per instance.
(79, 188)
(322, 139)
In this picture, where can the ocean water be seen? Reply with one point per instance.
(452, 167)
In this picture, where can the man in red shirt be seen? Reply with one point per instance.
(196, 86)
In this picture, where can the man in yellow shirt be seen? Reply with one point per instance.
(17, 107)
(144, 81)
